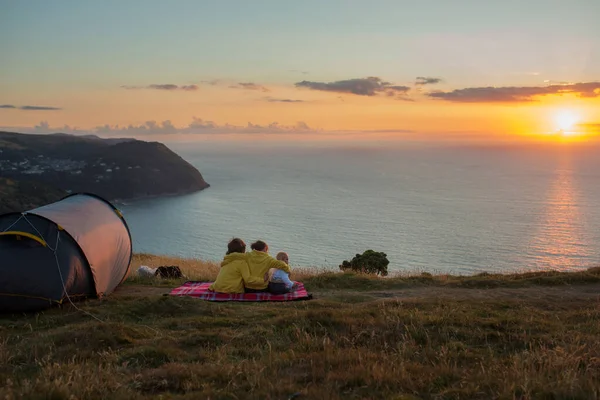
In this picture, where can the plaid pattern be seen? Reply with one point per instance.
(200, 290)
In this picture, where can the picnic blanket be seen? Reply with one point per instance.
(200, 290)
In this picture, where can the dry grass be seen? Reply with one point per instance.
(317, 278)
(194, 269)
(361, 338)
(198, 270)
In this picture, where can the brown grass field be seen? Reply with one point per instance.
(519, 336)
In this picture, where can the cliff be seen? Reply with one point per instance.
(36, 169)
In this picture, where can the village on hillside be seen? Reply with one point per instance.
(41, 164)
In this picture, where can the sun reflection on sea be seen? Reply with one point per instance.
(560, 242)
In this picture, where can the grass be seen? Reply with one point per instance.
(319, 278)
(194, 269)
(521, 336)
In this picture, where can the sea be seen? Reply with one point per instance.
(441, 209)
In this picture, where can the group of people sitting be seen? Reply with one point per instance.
(253, 272)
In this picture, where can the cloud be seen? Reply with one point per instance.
(44, 125)
(370, 86)
(250, 86)
(198, 126)
(236, 85)
(39, 108)
(512, 94)
(551, 82)
(163, 86)
(152, 130)
(31, 108)
(189, 88)
(170, 86)
(272, 100)
(166, 86)
(423, 80)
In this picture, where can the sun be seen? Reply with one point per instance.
(565, 121)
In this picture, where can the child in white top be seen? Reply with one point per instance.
(278, 277)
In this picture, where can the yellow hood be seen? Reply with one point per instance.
(229, 258)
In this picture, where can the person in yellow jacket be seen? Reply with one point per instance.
(234, 273)
(260, 262)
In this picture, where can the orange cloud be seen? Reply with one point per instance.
(164, 86)
(516, 94)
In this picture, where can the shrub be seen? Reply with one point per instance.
(369, 262)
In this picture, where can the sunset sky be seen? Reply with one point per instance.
(302, 69)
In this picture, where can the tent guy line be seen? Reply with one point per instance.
(93, 258)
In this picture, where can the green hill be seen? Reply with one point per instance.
(25, 195)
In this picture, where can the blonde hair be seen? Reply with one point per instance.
(282, 256)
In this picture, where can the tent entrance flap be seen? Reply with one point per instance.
(28, 235)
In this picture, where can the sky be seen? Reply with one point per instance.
(385, 69)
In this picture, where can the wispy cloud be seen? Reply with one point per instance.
(370, 86)
(30, 108)
(423, 80)
(250, 86)
(39, 108)
(164, 86)
(272, 100)
(517, 94)
(198, 126)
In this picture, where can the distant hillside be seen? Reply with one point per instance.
(36, 169)
(25, 195)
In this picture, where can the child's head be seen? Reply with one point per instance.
(283, 256)
(236, 245)
(259, 245)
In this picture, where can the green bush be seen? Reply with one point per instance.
(369, 262)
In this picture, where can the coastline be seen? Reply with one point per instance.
(199, 269)
(126, 201)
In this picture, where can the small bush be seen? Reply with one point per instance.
(369, 262)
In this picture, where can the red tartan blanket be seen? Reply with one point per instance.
(200, 290)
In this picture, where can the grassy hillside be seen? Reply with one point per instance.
(26, 195)
(527, 336)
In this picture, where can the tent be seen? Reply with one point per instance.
(75, 248)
